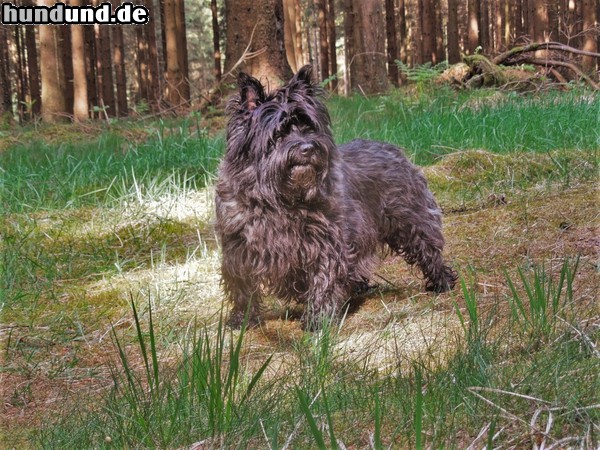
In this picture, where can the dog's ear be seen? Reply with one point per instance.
(252, 93)
(304, 76)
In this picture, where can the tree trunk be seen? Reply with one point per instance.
(120, 74)
(21, 72)
(369, 67)
(52, 72)
(216, 41)
(105, 70)
(321, 6)
(80, 88)
(33, 68)
(473, 28)
(90, 66)
(453, 44)
(590, 42)
(518, 19)
(440, 51)
(331, 38)
(392, 41)
(5, 87)
(154, 85)
(258, 26)
(348, 44)
(553, 11)
(403, 37)
(428, 27)
(175, 91)
(64, 46)
(142, 65)
(182, 52)
(484, 26)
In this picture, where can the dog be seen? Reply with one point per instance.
(302, 219)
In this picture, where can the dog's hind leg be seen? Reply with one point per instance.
(419, 240)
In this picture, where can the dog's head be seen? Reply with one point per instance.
(283, 136)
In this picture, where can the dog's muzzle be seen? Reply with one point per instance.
(306, 165)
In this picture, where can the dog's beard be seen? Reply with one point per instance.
(306, 169)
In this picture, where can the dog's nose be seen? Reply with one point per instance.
(306, 149)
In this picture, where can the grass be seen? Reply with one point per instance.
(442, 121)
(112, 322)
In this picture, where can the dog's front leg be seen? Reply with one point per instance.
(245, 298)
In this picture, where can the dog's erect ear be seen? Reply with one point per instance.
(252, 93)
(304, 75)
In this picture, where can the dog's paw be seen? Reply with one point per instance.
(237, 319)
(444, 283)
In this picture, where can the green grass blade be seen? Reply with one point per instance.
(314, 429)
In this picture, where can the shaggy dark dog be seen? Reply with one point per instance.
(300, 218)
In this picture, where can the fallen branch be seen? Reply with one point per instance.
(553, 63)
(557, 46)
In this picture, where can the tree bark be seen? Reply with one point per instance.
(428, 27)
(80, 88)
(52, 72)
(453, 44)
(120, 73)
(257, 25)
(21, 72)
(104, 69)
(321, 6)
(348, 44)
(175, 90)
(90, 68)
(5, 87)
(33, 68)
(473, 28)
(590, 42)
(368, 70)
(182, 52)
(392, 41)
(217, 72)
(64, 46)
(331, 38)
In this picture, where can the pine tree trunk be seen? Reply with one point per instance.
(518, 19)
(484, 26)
(52, 72)
(142, 65)
(21, 72)
(182, 52)
(174, 76)
(5, 87)
(120, 74)
(402, 32)
(104, 70)
(453, 44)
(331, 38)
(33, 68)
(154, 88)
(473, 28)
(217, 73)
(260, 24)
(80, 88)
(64, 46)
(321, 6)
(590, 41)
(369, 68)
(392, 41)
(348, 44)
(90, 68)
(428, 27)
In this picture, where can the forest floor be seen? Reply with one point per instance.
(516, 224)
